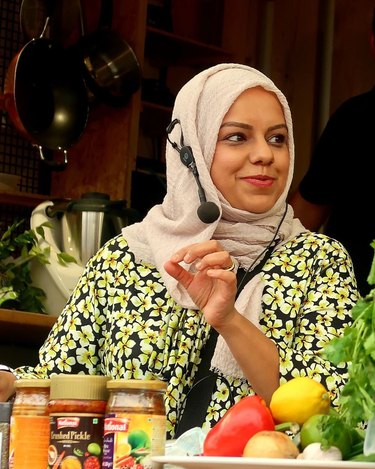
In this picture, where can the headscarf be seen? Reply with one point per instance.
(200, 107)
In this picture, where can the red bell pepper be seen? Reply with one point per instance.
(231, 433)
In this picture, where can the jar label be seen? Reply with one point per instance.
(29, 436)
(130, 440)
(75, 441)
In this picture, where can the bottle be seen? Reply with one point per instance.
(76, 408)
(134, 424)
(29, 425)
(5, 411)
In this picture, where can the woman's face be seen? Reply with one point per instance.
(251, 160)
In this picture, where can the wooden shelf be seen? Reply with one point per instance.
(23, 328)
(22, 198)
(172, 48)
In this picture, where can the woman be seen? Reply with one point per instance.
(150, 300)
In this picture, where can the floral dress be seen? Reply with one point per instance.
(120, 321)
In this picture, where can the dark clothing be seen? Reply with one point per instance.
(342, 175)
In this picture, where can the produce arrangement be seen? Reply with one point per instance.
(300, 422)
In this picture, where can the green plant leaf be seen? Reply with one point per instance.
(17, 250)
(6, 294)
(65, 258)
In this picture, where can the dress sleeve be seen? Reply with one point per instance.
(308, 300)
(74, 344)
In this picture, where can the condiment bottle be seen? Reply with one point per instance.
(29, 425)
(135, 423)
(77, 407)
(5, 411)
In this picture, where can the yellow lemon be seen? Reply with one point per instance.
(298, 399)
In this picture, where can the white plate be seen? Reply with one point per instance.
(211, 462)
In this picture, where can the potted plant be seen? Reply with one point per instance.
(17, 250)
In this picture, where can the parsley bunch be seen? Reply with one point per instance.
(357, 348)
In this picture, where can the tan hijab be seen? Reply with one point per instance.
(200, 107)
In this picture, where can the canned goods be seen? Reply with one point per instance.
(29, 425)
(76, 408)
(134, 424)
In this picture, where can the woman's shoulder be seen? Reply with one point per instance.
(312, 244)
(116, 251)
(314, 239)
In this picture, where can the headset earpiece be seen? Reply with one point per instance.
(207, 212)
(186, 156)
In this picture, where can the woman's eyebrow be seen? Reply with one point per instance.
(248, 127)
(236, 124)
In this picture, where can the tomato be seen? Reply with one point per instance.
(230, 435)
(328, 430)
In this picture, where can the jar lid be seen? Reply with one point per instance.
(153, 385)
(32, 383)
(66, 386)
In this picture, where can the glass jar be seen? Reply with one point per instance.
(134, 424)
(29, 425)
(76, 408)
(5, 412)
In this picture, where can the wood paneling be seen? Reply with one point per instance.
(103, 158)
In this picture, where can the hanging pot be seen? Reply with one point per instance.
(46, 98)
(110, 66)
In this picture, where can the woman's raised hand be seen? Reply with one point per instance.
(211, 282)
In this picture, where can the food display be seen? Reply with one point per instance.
(29, 425)
(76, 409)
(135, 424)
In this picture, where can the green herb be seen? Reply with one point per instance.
(16, 253)
(357, 348)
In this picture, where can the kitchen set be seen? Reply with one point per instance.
(87, 98)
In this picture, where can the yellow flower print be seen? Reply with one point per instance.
(222, 393)
(122, 299)
(133, 367)
(106, 279)
(286, 363)
(84, 335)
(290, 306)
(213, 412)
(85, 306)
(65, 363)
(87, 356)
(141, 302)
(158, 308)
(110, 261)
(273, 298)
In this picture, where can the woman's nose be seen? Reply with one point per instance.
(261, 152)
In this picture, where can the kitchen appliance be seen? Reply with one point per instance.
(80, 228)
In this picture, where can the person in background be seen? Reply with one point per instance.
(219, 275)
(337, 191)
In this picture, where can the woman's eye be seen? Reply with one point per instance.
(235, 137)
(278, 139)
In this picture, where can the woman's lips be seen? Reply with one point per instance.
(259, 181)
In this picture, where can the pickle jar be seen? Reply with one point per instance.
(29, 424)
(134, 424)
(76, 410)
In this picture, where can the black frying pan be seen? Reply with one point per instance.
(46, 97)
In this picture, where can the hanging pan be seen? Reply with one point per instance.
(46, 98)
(110, 67)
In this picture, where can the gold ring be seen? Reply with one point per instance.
(229, 269)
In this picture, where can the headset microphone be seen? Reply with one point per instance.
(207, 212)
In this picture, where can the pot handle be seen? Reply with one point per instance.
(54, 165)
